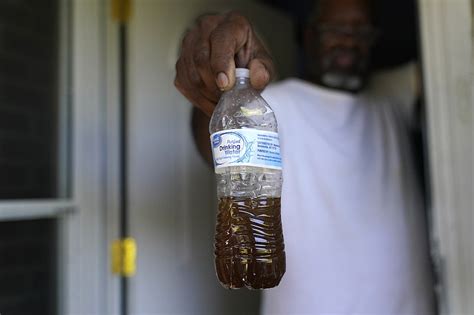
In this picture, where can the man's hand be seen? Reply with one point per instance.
(211, 51)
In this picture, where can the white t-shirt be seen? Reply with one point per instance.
(352, 212)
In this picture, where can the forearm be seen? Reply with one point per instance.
(200, 129)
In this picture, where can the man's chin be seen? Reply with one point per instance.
(342, 81)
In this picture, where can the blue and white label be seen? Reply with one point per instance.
(246, 147)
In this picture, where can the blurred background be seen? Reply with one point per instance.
(74, 178)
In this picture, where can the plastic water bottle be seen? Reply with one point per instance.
(249, 248)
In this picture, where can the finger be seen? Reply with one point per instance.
(182, 77)
(188, 77)
(184, 84)
(200, 74)
(197, 99)
(259, 75)
(202, 67)
(225, 41)
(202, 55)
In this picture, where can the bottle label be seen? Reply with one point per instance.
(246, 147)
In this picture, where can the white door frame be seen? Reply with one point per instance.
(447, 45)
(85, 282)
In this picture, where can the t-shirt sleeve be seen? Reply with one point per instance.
(400, 86)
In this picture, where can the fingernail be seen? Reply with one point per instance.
(222, 80)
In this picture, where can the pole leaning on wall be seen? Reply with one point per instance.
(124, 249)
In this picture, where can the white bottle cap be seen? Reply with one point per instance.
(242, 73)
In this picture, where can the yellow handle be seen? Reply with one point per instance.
(124, 255)
(121, 10)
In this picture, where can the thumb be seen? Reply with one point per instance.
(225, 77)
(225, 42)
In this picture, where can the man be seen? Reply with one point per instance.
(351, 208)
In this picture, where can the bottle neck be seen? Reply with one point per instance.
(241, 82)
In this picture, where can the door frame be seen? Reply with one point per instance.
(448, 72)
(85, 281)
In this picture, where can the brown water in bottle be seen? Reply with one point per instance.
(249, 246)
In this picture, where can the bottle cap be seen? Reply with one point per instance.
(242, 73)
